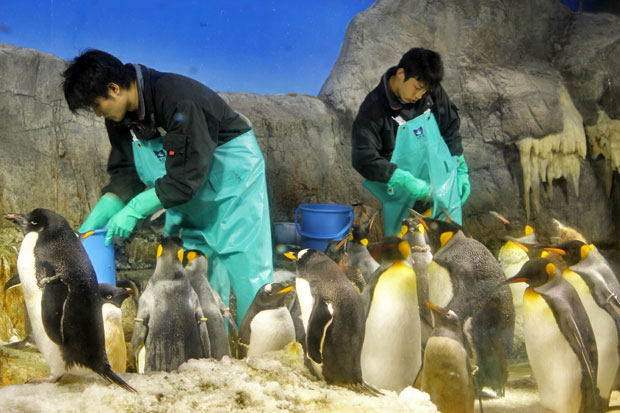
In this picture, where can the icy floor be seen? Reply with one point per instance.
(276, 382)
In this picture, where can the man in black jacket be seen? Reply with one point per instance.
(405, 92)
(196, 156)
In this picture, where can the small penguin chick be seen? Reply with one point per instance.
(112, 298)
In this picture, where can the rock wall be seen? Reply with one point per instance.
(516, 70)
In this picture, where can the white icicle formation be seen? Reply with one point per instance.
(604, 138)
(553, 156)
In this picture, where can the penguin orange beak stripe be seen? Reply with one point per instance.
(290, 256)
(434, 307)
(498, 216)
(556, 250)
(515, 280)
(341, 243)
(286, 290)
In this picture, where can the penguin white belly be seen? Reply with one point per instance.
(605, 333)
(114, 337)
(391, 353)
(440, 290)
(554, 364)
(271, 330)
(306, 301)
(32, 295)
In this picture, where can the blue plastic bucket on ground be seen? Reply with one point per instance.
(101, 257)
(322, 223)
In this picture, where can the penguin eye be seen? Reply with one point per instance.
(108, 297)
(34, 222)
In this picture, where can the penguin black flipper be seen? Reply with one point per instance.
(581, 339)
(52, 308)
(14, 281)
(203, 333)
(320, 319)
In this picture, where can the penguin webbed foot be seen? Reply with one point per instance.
(366, 388)
(48, 379)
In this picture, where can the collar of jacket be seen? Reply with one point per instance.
(143, 120)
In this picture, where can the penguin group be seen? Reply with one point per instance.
(571, 316)
(430, 308)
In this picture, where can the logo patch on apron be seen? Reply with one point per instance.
(418, 132)
(161, 155)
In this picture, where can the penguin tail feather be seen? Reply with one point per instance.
(112, 377)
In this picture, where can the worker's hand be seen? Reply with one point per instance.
(124, 221)
(417, 188)
(104, 209)
(462, 178)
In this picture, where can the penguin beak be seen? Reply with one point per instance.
(341, 243)
(128, 291)
(286, 290)
(420, 218)
(513, 280)
(498, 216)
(556, 250)
(290, 255)
(18, 219)
(435, 308)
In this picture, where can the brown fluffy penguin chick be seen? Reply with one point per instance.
(446, 374)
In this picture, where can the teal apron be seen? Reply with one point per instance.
(420, 150)
(228, 218)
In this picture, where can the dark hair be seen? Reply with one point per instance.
(87, 77)
(424, 65)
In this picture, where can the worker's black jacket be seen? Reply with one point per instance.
(195, 120)
(374, 128)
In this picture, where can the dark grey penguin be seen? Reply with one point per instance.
(486, 310)
(446, 374)
(560, 342)
(357, 251)
(267, 325)
(413, 232)
(170, 327)
(213, 308)
(112, 298)
(62, 296)
(333, 319)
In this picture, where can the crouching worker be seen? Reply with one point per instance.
(177, 145)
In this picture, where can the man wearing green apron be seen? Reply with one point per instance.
(177, 145)
(406, 142)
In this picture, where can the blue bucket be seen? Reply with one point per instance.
(101, 257)
(322, 223)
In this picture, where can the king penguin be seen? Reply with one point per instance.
(391, 353)
(112, 298)
(333, 318)
(560, 343)
(511, 257)
(597, 287)
(170, 327)
(213, 308)
(469, 276)
(62, 296)
(446, 374)
(268, 325)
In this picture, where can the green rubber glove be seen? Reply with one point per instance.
(104, 209)
(462, 178)
(124, 221)
(416, 187)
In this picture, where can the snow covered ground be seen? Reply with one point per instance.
(275, 382)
